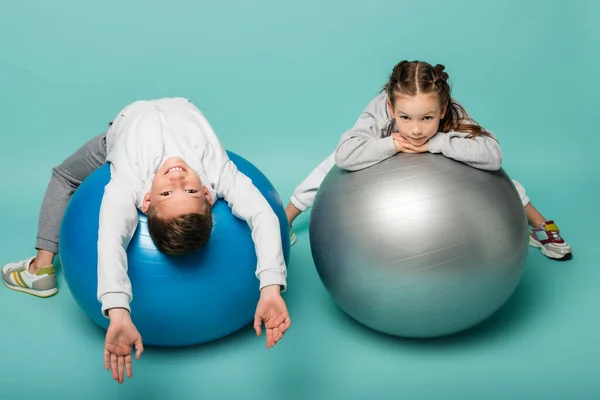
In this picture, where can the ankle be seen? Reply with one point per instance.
(291, 212)
(536, 222)
(43, 258)
(33, 267)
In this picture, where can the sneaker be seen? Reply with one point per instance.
(292, 236)
(41, 284)
(547, 238)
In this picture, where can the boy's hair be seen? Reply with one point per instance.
(414, 77)
(182, 235)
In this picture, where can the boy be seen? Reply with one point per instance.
(167, 162)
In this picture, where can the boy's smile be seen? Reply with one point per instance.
(176, 190)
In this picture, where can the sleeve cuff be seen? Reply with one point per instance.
(386, 147)
(435, 143)
(114, 300)
(44, 244)
(268, 278)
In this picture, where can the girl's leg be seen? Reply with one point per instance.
(305, 192)
(545, 234)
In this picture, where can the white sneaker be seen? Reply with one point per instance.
(546, 237)
(16, 276)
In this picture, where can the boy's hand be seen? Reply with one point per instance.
(120, 337)
(402, 145)
(272, 310)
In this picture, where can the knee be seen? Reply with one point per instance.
(62, 176)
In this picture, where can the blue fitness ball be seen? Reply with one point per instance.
(177, 300)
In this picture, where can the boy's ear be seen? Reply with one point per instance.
(208, 196)
(146, 203)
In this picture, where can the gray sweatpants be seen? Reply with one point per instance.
(66, 178)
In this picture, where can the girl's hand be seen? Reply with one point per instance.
(402, 145)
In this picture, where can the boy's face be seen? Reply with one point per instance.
(177, 190)
(417, 117)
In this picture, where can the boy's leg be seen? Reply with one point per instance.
(36, 275)
(305, 192)
(545, 234)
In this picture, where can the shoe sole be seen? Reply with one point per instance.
(547, 253)
(37, 293)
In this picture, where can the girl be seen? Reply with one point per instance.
(415, 113)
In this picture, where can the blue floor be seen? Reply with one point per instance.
(280, 83)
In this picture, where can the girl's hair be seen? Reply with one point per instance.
(414, 77)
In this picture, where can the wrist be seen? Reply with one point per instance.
(118, 314)
(387, 146)
(271, 289)
(397, 145)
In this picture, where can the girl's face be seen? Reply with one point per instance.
(417, 117)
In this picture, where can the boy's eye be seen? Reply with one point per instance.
(165, 193)
(192, 191)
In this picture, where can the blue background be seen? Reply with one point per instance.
(280, 82)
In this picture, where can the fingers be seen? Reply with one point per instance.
(408, 148)
(106, 360)
(402, 145)
(139, 348)
(398, 144)
(280, 330)
(121, 366)
(269, 338)
(258, 325)
(275, 334)
(128, 366)
(397, 137)
(405, 146)
(113, 366)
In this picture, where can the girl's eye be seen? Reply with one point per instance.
(404, 118)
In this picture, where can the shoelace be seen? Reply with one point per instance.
(553, 234)
(17, 267)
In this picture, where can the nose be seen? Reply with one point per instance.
(176, 178)
(416, 130)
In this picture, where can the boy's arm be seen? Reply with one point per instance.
(362, 146)
(118, 222)
(248, 203)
